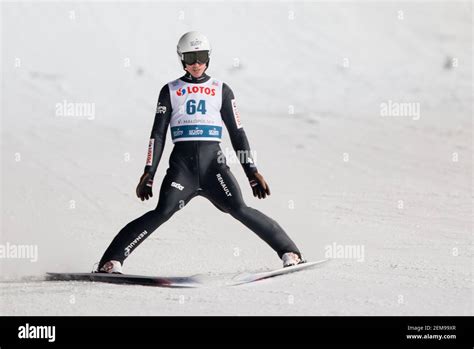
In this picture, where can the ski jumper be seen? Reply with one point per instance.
(195, 111)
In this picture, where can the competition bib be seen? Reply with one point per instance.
(195, 114)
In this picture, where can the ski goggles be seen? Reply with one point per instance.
(195, 57)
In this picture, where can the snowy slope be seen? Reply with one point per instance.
(310, 79)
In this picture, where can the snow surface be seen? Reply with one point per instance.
(310, 79)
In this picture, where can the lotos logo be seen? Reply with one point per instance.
(181, 92)
(196, 89)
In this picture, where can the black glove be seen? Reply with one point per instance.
(260, 188)
(144, 191)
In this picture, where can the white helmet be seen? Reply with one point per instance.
(190, 42)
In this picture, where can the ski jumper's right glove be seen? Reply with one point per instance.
(260, 188)
(144, 187)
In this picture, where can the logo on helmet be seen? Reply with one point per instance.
(196, 42)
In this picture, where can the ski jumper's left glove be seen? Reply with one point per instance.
(260, 188)
(144, 187)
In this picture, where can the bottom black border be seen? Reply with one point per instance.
(386, 331)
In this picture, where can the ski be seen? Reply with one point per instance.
(157, 281)
(245, 278)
